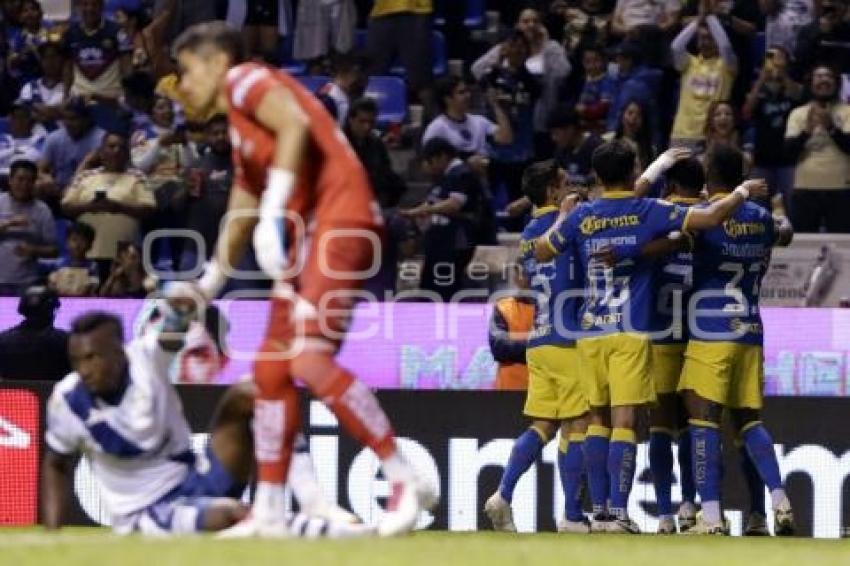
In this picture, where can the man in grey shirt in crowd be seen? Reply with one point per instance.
(27, 230)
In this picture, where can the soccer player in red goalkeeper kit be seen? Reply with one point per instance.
(294, 169)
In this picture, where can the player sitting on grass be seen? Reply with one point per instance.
(724, 362)
(119, 410)
(201, 360)
(554, 395)
(614, 346)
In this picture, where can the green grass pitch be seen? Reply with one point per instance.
(95, 547)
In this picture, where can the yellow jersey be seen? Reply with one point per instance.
(390, 7)
(703, 81)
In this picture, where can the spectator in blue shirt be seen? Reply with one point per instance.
(634, 82)
(65, 149)
(597, 92)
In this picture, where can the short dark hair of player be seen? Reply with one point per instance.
(91, 321)
(614, 164)
(217, 35)
(24, 164)
(537, 179)
(444, 88)
(365, 105)
(688, 175)
(82, 230)
(438, 147)
(724, 167)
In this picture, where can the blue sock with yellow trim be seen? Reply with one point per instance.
(570, 466)
(707, 456)
(596, 462)
(759, 446)
(621, 470)
(525, 451)
(754, 484)
(686, 470)
(661, 466)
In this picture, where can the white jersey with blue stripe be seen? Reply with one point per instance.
(139, 443)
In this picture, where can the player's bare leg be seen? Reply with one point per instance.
(231, 439)
(704, 420)
(663, 423)
(276, 423)
(230, 446)
(759, 447)
(527, 447)
(622, 460)
(570, 469)
(596, 449)
(233, 442)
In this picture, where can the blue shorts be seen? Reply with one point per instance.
(181, 511)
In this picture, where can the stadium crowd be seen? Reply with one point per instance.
(100, 149)
(108, 168)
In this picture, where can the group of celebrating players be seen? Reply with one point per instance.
(647, 303)
(611, 277)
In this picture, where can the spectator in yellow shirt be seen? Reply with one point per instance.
(111, 198)
(707, 77)
(818, 138)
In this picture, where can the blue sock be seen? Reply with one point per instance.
(754, 484)
(596, 463)
(686, 470)
(621, 470)
(706, 451)
(759, 446)
(570, 466)
(526, 450)
(661, 466)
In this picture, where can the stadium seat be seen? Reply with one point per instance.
(474, 17)
(440, 63)
(287, 62)
(391, 95)
(313, 82)
(438, 52)
(389, 92)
